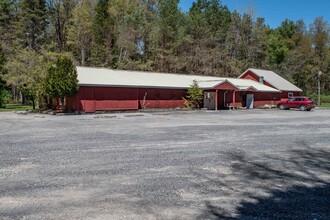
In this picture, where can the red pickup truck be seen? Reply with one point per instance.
(301, 102)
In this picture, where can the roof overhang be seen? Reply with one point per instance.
(253, 89)
(132, 86)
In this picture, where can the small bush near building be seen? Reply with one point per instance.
(194, 96)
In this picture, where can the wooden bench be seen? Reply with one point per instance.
(232, 106)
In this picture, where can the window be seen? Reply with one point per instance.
(290, 94)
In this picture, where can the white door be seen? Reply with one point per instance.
(249, 101)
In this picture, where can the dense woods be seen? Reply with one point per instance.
(153, 35)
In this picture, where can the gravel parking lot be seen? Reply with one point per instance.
(258, 164)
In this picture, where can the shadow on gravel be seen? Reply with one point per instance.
(295, 203)
(295, 186)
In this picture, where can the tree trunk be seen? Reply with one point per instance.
(83, 56)
(62, 104)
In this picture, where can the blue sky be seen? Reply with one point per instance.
(276, 11)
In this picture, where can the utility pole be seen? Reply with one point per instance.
(319, 88)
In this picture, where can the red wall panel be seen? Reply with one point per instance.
(161, 103)
(91, 99)
(225, 86)
(250, 75)
(88, 105)
(254, 77)
(116, 105)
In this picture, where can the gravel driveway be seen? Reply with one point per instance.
(258, 164)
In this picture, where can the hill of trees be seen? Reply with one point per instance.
(155, 35)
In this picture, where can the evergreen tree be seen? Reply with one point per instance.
(103, 40)
(33, 21)
(194, 96)
(10, 28)
(5, 16)
(3, 71)
(276, 49)
(61, 80)
(60, 14)
(3, 92)
(166, 36)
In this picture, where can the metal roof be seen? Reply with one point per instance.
(245, 84)
(88, 76)
(274, 79)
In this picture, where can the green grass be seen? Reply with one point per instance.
(325, 105)
(15, 107)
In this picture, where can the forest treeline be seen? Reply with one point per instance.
(155, 35)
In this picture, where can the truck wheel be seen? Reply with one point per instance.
(303, 108)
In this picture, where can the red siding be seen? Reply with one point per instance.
(161, 103)
(254, 77)
(91, 99)
(250, 75)
(225, 86)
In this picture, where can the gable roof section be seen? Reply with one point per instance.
(88, 76)
(245, 84)
(274, 79)
(226, 85)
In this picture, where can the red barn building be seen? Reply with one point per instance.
(273, 80)
(104, 89)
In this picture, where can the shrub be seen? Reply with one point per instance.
(324, 98)
(4, 98)
(194, 96)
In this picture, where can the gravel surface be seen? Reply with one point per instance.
(258, 164)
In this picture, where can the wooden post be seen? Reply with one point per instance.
(216, 100)
(234, 97)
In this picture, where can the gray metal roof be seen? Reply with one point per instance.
(88, 76)
(274, 79)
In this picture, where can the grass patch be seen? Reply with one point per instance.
(16, 107)
(325, 105)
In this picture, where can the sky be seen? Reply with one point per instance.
(276, 11)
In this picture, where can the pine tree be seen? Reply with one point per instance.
(60, 14)
(5, 16)
(194, 96)
(103, 38)
(4, 96)
(3, 71)
(61, 80)
(33, 21)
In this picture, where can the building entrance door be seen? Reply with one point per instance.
(249, 101)
(209, 100)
